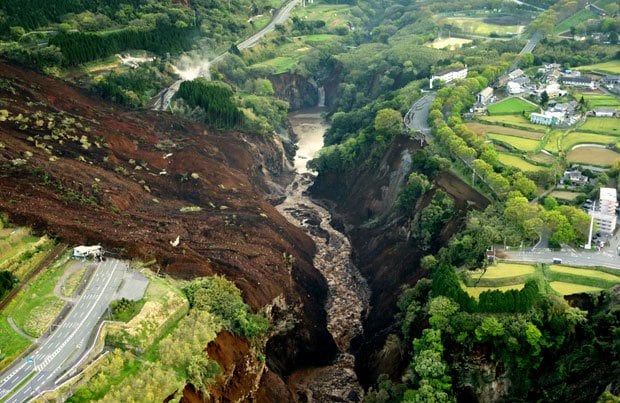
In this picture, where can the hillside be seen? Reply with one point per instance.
(90, 172)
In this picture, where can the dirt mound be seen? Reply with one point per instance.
(90, 172)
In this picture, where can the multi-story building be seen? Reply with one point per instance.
(605, 214)
(449, 75)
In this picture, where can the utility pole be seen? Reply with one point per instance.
(589, 244)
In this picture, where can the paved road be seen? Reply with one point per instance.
(531, 44)
(162, 100)
(69, 341)
(608, 257)
(416, 118)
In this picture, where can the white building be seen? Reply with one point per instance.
(513, 88)
(484, 96)
(547, 118)
(605, 214)
(82, 251)
(578, 81)
(604, 112)
(449, 75)
(515, 74)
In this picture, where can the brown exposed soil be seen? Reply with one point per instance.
(120, 178)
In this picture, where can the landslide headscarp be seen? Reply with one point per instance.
(91, 172)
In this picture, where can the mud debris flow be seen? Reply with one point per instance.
(348, 291)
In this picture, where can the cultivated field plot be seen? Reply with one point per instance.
(478, 26)
(601, 275)
(563, 280)
(476, 291)
(483, 129)
(610, 67)
(450, 43)
(571, 288)
(554, 144)
(516, 121)
(518, 143)
(593, 155)
(600, 100)
(503, 269)
(512, 106)
(541, 158)
(517, 162)
(564, 195)
(573, 138)
(602, 125)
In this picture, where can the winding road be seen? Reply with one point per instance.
(68, 342)
(162, 100)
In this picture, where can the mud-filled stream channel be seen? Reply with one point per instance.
(348, 292)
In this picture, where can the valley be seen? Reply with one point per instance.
(354, 201)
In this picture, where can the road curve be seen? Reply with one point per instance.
(65, 346)
(162, 100)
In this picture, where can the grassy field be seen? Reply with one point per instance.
(33, 310)
(601, 275)
(575, 19)
(450, 43)
(36, 306)
(563, 280)
(478, 26)
(334, 15)
(600, 100)
(512, 106)
(483, 129)
(573, 138)
(280, 64)
(564, 195)
(517, 162)
(164, 305)
(570, 288)
(602, 125)
(610, 67)
(516, 121)
(20, 252)
(518, 143)
(593, 155)
(72, 282)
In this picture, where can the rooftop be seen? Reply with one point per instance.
(608, 194)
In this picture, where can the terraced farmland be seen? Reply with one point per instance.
(573, 138)
(517, 162)
(516, 121)
(518, 143)
(602, 125)
(483, 129)
(593, 155)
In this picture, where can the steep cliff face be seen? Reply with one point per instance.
(363, 201)
(297, 90)
(90, 172)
